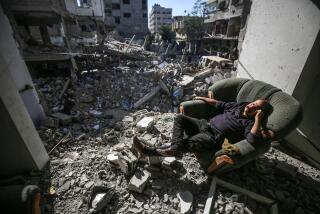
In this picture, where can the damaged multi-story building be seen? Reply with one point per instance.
(225, 27)
(47, 31)
(128, 17)
(159, 16)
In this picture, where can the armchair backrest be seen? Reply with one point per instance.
(286, 114)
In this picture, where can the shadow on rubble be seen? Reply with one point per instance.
(166, 183)
(293, 191)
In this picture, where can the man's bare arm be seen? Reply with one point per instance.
(256, 128)
(207, 100)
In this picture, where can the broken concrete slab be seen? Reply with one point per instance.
(144, 124)
(186, 199)
(186, 80)
(139, 181)
(148, 96)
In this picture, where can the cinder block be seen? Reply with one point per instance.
(139, 181)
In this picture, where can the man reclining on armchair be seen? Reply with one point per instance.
(235, 122)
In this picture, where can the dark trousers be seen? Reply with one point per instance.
(200, 137)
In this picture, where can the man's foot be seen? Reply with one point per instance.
(169, 152)
(219, 162)
(150, 151)
(143, 149)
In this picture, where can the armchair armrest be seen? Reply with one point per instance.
(198, 109)
(247, 153)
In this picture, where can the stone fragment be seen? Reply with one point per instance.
(169, 161)
(64, 119)
(51, 122)
(139, 180)
(100, 197)
(113, 158)
(144, 124)
(95, 113)
(186, 80)
(65, 187)
(123, 166)
(89, 185)
(127, 119)
(186, 199)
(154, 160)
(156, 184)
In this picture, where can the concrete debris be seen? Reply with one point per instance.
(186, 80)
(125, 160)
(169, 161)
(139, 181)
(148, 96)
(153, 160)
(63, 118)
(100, 198)
(186, 199)
(145, 124)
(121, 90)
(113, 158)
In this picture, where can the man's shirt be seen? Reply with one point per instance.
(232, 124)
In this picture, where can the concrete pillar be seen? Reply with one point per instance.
(21, 149)
(67, 42)
(14, 64)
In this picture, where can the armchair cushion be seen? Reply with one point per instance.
(198, 109)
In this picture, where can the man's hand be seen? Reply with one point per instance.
(199, 98)
(259, 115)
(267, 134)
(207, 100)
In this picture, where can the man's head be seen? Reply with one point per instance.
(251, 109)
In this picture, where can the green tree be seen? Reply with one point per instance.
(166, 33)
(194, 23)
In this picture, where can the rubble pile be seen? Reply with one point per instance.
(94, 169)
(136, 184)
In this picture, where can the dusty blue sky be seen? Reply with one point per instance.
(178, 6)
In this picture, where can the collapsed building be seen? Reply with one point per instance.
(225, 27)
(84, 121)
(128, 17)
